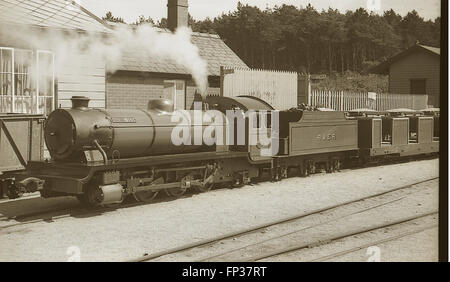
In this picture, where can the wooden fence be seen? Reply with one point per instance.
(284, 90)
(345, 101)
(278, 88)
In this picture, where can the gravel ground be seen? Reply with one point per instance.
(321, 227)
(127, 233)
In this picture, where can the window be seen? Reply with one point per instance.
(175, 90)
(6, 79)
(26, 81)
(418, 86)
(23, 81)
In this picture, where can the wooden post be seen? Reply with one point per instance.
(222, 77)
(329, 99)
(308, 82)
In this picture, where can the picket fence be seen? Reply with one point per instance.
(346, 101)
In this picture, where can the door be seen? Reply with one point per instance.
(418, 86)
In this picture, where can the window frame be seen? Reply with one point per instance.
(174, 94)
(13, 84)
(34, 93)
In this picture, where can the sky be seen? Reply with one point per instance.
(130, 10)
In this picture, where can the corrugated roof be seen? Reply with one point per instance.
(383, 68)
(50, 13)
(211, 48)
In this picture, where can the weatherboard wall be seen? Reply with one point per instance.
(82, 75)
(419, 65)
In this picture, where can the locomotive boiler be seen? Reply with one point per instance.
(75, 133)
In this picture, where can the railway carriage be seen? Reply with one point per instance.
(21, 141)
(396, 133)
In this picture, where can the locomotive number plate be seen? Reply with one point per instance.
(124, 120)
(326, 137)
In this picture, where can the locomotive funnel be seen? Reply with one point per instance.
(80, 102)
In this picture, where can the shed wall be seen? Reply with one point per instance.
(82, 76)
(418, 65)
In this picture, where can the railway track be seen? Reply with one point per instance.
(51, 215)
(350, 234)
(48, 214)
(374, 243)
(346, 210)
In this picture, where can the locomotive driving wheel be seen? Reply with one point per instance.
(148, 196)
(205, 188)
(176, 192)
(179, 191)
(145, 196)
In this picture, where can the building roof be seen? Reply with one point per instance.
(383, 68)
(50, 13)
(211, 48)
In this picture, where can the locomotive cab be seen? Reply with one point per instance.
(254, 116)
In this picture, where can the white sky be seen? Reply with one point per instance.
(130, 10)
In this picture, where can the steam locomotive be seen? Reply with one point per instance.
(102, 156)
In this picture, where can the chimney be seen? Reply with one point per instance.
(177, 14)
(80, 102)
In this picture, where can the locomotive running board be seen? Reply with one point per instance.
(166, 159)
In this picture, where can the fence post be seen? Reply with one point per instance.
(309, 89)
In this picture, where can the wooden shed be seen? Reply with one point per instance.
(414, 71)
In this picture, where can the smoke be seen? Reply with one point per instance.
(144, 40)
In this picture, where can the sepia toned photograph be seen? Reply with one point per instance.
(189, 131)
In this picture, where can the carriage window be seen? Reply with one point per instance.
(26, 81)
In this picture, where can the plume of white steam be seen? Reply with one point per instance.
(146, 40)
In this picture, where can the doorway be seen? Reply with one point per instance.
(418, 86)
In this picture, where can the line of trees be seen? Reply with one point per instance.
(306, 40)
